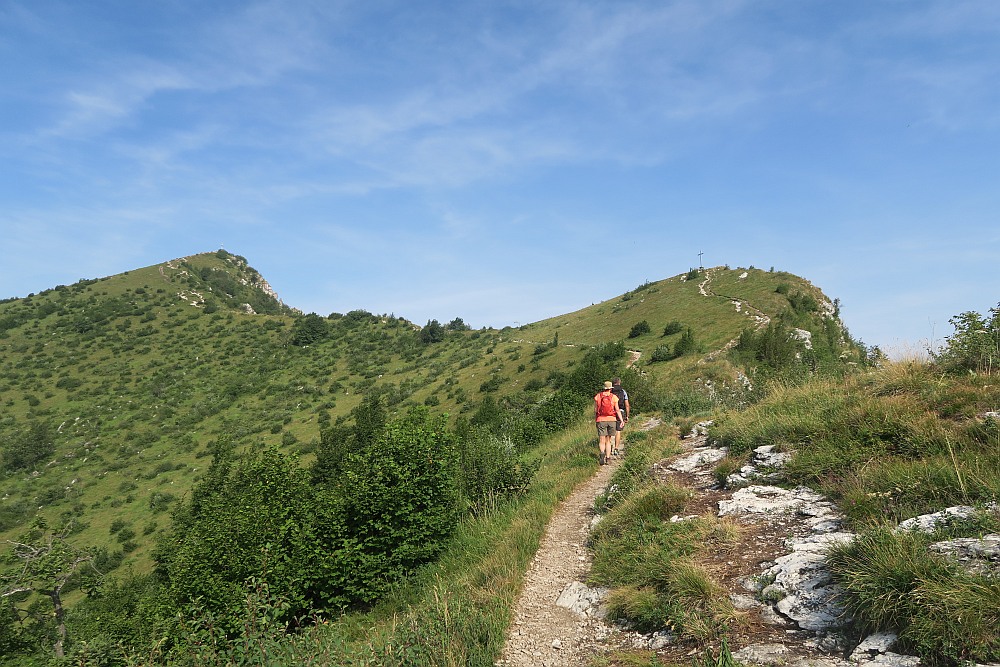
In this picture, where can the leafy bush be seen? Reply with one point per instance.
(686, 345)
(639, 329)
(661, 353)
(309, 329)
(490, 469)
(975, 345)
(802, 302)
(28, 446)
(598, 365)
(493, 384)
(392, 508)
(248, 518)
(432, 332)
(560, 409)
(673, 327)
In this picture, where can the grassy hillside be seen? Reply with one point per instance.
(117, 391)
(125, 382)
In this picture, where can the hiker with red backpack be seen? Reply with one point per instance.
(607, 413)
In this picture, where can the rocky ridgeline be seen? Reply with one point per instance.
(793, 592)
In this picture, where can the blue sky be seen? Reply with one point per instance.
(508, 161)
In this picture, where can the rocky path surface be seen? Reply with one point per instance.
(545, 634)
(775, 576)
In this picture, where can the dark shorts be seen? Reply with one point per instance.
(606, 428)
(621, 426)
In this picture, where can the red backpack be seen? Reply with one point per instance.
(606, 406)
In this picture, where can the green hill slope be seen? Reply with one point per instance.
(116, 391)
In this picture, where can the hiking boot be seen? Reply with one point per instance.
(601, 459)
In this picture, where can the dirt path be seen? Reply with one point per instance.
(544, 634)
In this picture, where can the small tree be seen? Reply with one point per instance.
(392, 508)
(31, 445)
(686, 345)
(309, 329)
(246, 518)
(661, 353)
(432, 332)
(44, 564)
(975, 345)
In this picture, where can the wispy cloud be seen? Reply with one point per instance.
(95, 108)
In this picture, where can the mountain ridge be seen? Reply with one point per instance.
(117, 389)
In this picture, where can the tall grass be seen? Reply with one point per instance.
(889, 445)
(892, 582)
(644, 449)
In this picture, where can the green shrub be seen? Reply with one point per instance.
(661, 353)
(686, 345)
(392, 508)
(309, 329)
(490, 469)
(28, 446)
(560, 409)
(493, 384)
(673, 327)
(639, 329)
(975, 345)
(245, 519)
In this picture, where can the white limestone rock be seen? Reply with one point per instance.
(700, 457)
(928, 523)
(809, 597)
(980, 556)
(583, 600)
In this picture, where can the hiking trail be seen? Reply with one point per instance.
(773, 572)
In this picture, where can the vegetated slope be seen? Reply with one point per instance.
(117, 390)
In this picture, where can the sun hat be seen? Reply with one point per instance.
(608, 385)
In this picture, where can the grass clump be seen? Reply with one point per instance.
(943, 613)
(644, 449)
(652, 564)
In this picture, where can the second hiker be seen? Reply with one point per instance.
(626, 409)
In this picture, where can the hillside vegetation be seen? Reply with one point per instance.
(160, 419)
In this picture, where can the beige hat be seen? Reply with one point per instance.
(608, 385)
